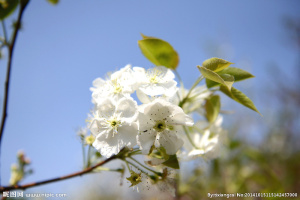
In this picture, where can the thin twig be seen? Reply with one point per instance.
(4, 32)
(11, 46)
(189, 137)
(155, 172)
(181, 103)
(87, 170)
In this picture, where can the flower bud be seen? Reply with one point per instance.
(89, 140)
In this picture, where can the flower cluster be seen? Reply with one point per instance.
(158, 123)
(118, 121)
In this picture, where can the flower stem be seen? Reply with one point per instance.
(189, 137)
(128, 162)
(83, 154)
(107, 169)
(4, 32)
(155, 172)
(188, 94)
(88, 164)
(135, 152)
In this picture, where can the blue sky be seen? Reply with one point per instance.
(63, 48)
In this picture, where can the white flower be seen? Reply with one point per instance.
(168, 182)
(158, 125)
(114, 125)
(164, 185)
(119, 84)
(207, 143)
(207, 138)
(154, 82)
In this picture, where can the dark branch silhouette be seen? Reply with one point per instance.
(85, 171)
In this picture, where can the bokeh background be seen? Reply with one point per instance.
(63, 48)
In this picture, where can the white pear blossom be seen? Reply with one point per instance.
(207, 139)
(119, 84)
(154, 82)
(159, 123)
(207, 145)
(114, 126)
(164, 185)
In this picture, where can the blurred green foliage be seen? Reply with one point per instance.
(273, 166)
(248, 169)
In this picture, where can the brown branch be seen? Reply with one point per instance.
(23, 4)
(87, 170)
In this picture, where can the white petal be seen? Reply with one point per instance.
(167, 186)
(202, 124)
(219, 121)
(145, 140)
(159, 109)
(107, 146)
(145, 122)
(118, 74)
(94, 128)
(171, 91)
(167, 74)
(99, 82)
(139, 74)
(168, 84)
(144, 98)
(127, 109)
(127, 135)
(204, 139)
(106, 108)
(182, 119)
(152, 89)
(196, 152)
(170, 142)
(179, 117)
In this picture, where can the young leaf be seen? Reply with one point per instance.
(240, 97)
(159, 52)
(237, 73)
(210, 83)
(172, 162)
(212, 108)
(7, 7)
(226, 80)
(216, 64)
(54, 2)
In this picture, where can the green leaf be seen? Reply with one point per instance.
(216, 64)
(172, 162)
(210, 83)
(7, 7)
(54, 2)
(212, 108)
(159, 52)
(228, 79)
(224, 79)
(237, 73)
(239, 97)
(147, 37)
(234, 144)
